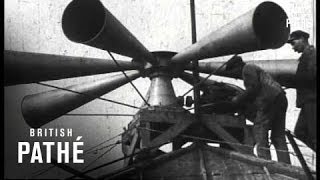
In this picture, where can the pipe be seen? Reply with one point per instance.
(40, 109)
(89, 22)
(264, 27)
(282, 70)
(25, 67)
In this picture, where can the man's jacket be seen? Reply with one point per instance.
(306, 76)
(260, 86)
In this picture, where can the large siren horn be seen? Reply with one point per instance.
(42, 108)
(282, 70)
(89, 22)
(26, 67)
(264, 27)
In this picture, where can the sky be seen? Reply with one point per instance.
(35, 26)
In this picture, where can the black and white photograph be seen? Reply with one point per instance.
(160, 90)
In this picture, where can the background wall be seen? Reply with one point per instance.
(35, 26)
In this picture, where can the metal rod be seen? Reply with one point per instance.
(122, 70)
(314, 23)
(193, 22)
(136, 138)
(195, 64)
(299, 155)
(213, 140)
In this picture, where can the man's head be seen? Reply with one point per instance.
(235, 65)
(298, 40)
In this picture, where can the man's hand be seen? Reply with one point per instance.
(244, 97)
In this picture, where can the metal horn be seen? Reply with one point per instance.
(39, 109)
(282, 70)
(264, 27)
(89, 22)
(24, 67)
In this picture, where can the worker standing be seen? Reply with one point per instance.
(306, 127)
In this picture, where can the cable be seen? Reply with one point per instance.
(211, 73)
(92, 162)
(42, 171)
(88, 95)
(106, 146)
(92, 148)
(119, 159)
(115, 61)
(84, 167)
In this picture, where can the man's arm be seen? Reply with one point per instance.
(247, 95)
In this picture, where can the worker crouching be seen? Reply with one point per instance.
(271, 105)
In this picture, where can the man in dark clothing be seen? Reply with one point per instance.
(305, 129)
(271, 105)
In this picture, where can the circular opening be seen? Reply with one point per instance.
(83, 19)
(270, 25)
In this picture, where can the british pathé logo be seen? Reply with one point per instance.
(33, 149)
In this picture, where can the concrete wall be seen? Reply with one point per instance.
(35, 26)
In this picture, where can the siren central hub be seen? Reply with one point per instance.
(163, 65)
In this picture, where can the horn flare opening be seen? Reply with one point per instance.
(82, 20)
(270, 25)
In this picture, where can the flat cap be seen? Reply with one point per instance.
(297, 35)
(234, 62)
